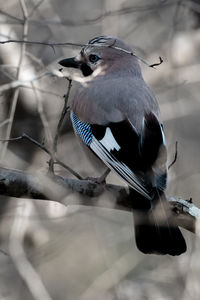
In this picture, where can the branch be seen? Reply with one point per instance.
(63, 114)
(27, 83)
(16, 92)
(47, 131)
(53, 187)
(123, 11)
(53, 159)
(51, 44)
(18, 254)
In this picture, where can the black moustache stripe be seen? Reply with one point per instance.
(86, 70)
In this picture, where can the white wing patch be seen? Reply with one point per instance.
(109, 142)
(119, 167)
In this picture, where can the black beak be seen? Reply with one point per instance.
(70, 63)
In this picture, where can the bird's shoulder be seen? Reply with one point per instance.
(114, 99)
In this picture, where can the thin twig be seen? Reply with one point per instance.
(10, 123)
(35, 8)
(175, 156)
(122, 11)
(7, 74)
(51, 44)
(16, 92)
(41, 90)
(24, 267)
(185, 213)
(35, 59)
(157, 64)
(3, 123)
(43, 118)
(133, 54)
(25, 136)
(63, 114)
(53, 158)
(58, 162)
(26, 83)
(11, 16)
(64, 111)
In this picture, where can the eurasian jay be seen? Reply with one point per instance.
(117, 117)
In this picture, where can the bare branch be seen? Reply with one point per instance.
(3, 123)
(17, 253)
(122, 11)
(11, 118)
(24, 136)
(51, 44)
(25, 83)
(53, 158)
(20, 184)
(11, 16)
(35, 8)
(16, 92)
(64, 111)
(58, 162)
(43, 118)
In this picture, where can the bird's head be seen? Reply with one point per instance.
(106, 52)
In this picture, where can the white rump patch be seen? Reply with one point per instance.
(108, 141)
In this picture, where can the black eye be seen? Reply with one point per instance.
(93, 58)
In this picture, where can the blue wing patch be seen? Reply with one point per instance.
(83, 130)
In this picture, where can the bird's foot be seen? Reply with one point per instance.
(101, 179)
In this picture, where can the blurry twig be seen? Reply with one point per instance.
(64, 111)
(35, 8)
(4, 122)
(45, 123)
(41, 90)
(58, 162)
(16, 92)
(51, 44)
(133, 54)
(107, 280)
(55, 141)
(4, 13)
(26, 83)
(53, 160)
(35, 59)
(23, 265)
(24, 136)
(15, 182)
(122, 11)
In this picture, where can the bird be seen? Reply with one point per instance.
(117, 117)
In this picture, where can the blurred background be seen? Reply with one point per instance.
(52, 251)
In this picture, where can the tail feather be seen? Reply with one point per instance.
(153, 239)
(156, 231)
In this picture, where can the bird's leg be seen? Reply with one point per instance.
(101, 179)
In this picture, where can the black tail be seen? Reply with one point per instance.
(155, 232)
